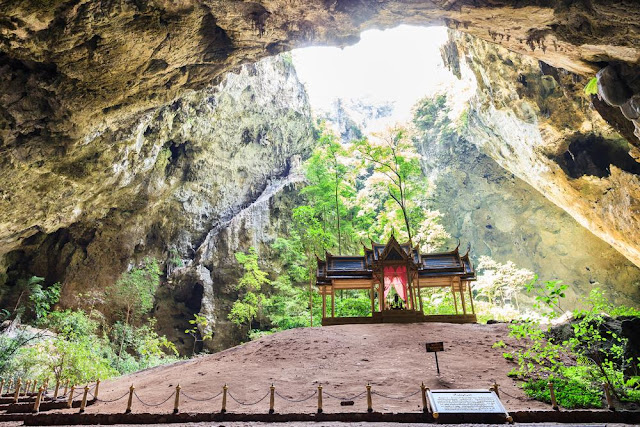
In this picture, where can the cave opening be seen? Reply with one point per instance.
(593, 155)
(378, 80)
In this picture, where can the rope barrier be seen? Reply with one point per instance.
(345, 398)
(524, 399)
(395, 398)
(249, 404)
(304, 399)
(150, 404)
(200, 400)
(114, 400)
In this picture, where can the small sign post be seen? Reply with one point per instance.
(435, 347)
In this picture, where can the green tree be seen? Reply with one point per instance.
(329, 187)
(250, 294)
(134, 293)
(198, 323)
(396, 172)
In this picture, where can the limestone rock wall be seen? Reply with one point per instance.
(160, 186)
(505, 218)
(535, 122)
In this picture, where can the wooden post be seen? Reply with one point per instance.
(95, 395)
(554, 403)
(272, 399)
(419, 294)
(607, 394)
(83, 404)
(319, 399)
(176, 403)
(473, 311)
(36, 405)
(333, 301)
(56, 390)
(409, 294)
(16, 395)
(33, 387)
(9, 386)
(423, 392)
(373, 307)
(66, 387)
(70, 400)
(224, 399)
(130, 401)
(1, 386)
(324, 302)
(369, 402)
(464, 309)
(455, 301)
(26, 388)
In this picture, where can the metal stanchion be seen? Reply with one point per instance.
(552, 393)
(36, 405)
(83, 404)
(224, 399)
(130, 401)
(494, 387)
(16, 395)
(70, 399)
(607, 394)
(56, 390)
(272, 399)
(319, 399)
(423, 392)
(369, 402)
(176, 404)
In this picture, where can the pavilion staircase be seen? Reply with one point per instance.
(398, 316)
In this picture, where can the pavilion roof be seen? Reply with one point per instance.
(441, 264)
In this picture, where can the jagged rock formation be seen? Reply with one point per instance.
(161, 186)
(115, 145)
(505, 218)
(535, 122)
(76, 74)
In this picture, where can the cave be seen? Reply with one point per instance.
(593, 156)
(143, 126)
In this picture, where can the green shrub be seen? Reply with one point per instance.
(570, 393)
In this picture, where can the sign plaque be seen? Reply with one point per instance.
(465, 402)
(432, 347)
(435, 347)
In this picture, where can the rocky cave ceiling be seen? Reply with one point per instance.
(71, 71)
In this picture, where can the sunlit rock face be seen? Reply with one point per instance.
(535, 121)
(76, 78)
(504, 218)
(160, 186)
(71, 69)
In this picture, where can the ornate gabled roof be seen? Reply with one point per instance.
(443, 264)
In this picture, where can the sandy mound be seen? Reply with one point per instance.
(342, 359)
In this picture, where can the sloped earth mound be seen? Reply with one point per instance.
(343, 359)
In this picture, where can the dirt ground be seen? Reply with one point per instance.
(343, 359)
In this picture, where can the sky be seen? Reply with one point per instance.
(399, 65)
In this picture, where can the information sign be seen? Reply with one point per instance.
(434, 346)
(465, 402)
